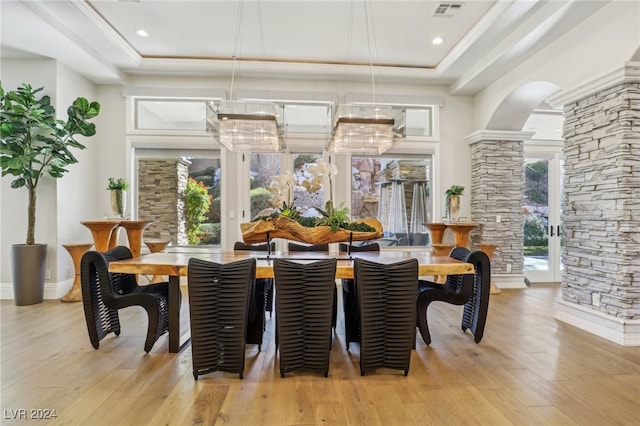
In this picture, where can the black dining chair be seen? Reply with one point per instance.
(219, 300)
(350, 304)
(387, 299)
(263, 298)
(304, 298)
(104, 293)
(307, 247)
(294, 247)
(470, 290)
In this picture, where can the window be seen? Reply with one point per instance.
(307, 190)
(263, 167)
(395, 190)
(170, 115)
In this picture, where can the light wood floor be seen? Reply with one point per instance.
(528, 370)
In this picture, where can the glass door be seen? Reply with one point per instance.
(543, 229)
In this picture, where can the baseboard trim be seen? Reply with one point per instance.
(51, 290)
(503, 281)
(622, 331)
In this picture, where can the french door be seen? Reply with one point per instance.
(543, 228)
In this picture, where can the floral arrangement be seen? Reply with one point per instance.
(282, 187)
(288, 222)
(120, 184)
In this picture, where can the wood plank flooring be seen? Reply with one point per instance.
(528, 370)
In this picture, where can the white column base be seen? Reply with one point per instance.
(622, 331)
(503, 281)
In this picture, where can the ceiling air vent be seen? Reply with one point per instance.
(447, 9)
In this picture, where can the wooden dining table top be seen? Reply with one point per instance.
(174, 261)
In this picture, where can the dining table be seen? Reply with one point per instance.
(174, 263)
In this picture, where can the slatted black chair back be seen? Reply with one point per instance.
(350, 304)
(105, 292)
(261, 300)
(308, 247)
(218, 308)
(304, 300)
(387, 296)
(293, 247)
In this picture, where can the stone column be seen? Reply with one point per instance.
(161, 186)
(497, 197)
(601, 278)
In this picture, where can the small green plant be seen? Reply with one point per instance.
(455, 190)
(334, 217)
(198, 204)
(118, 184)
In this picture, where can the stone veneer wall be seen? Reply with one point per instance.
(161, 198)
(497, 182)
(602, 201)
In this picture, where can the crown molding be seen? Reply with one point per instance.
(628, 73)
(497, 135)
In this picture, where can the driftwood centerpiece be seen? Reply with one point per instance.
(283, 227)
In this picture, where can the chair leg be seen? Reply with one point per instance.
(423, 326)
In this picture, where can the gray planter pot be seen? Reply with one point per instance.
(28, 265)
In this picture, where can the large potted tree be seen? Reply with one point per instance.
(34, 143)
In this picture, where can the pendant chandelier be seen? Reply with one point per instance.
(246, 126)
(365, 129)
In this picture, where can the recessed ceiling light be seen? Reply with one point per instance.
(142, 33)
(437, 40)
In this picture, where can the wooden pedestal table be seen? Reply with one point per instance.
(488, 249)
(76, 251)
(134, 229)
(101, 231)
(461, 232)
(156, 246)
(436, 231)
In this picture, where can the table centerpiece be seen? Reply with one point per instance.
(332, 226)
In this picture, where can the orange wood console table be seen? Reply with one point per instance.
(105, 237)
(461, 231)
(76, 251)
(436, 231)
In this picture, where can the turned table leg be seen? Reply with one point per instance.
(76, 251)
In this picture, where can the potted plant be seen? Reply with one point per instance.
(33, 143)
(452, 203)
(118, 188)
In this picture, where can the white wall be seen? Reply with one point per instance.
(75, 190)
(600, 44)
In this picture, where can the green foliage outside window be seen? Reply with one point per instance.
(534, 232)
(198, 204)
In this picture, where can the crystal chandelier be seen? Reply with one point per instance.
(365, 130)
(248, 126)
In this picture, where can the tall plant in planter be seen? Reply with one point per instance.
(34, 143)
